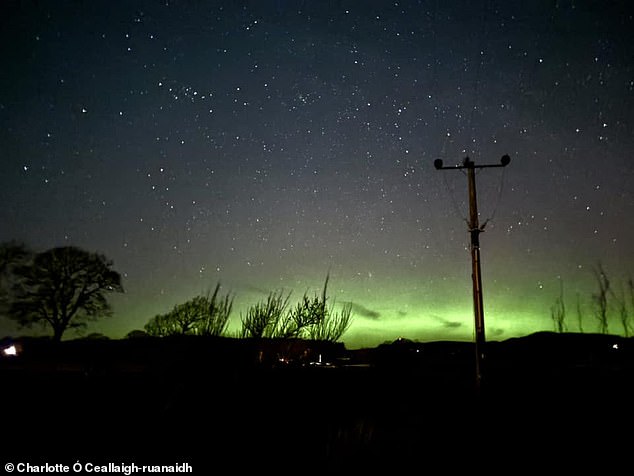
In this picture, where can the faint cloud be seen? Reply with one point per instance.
(496, 331)
(446, 323)
(249, 288)
(363, 311)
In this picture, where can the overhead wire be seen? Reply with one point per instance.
(497, 200)
(435, 88)
(483, 35)
(469, 126)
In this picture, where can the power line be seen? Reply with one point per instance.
(454, 203)
(497, 200)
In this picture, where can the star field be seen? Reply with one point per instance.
(266, 144)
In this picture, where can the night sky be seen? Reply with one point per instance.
(265, 144)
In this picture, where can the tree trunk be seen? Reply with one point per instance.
(58, 331)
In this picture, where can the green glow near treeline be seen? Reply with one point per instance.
(390, 302)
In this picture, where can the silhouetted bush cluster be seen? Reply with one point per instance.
(202, 315)
(310, 318)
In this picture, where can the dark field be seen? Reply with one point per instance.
(562, 400)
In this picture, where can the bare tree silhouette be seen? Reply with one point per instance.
(600, 298)
(558, 310)
(620, 301)
(62, 288)
(630, 287)
(12, 254)
(579, 314)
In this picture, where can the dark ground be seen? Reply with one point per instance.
(561, 400)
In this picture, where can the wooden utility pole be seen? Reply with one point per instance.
(476, 276)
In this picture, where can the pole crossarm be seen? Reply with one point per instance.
(475, 230)
(467, 163)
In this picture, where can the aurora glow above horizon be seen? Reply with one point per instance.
(264, 145)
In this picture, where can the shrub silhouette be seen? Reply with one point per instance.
(311, 318)
(206, 315)
(266, 319)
